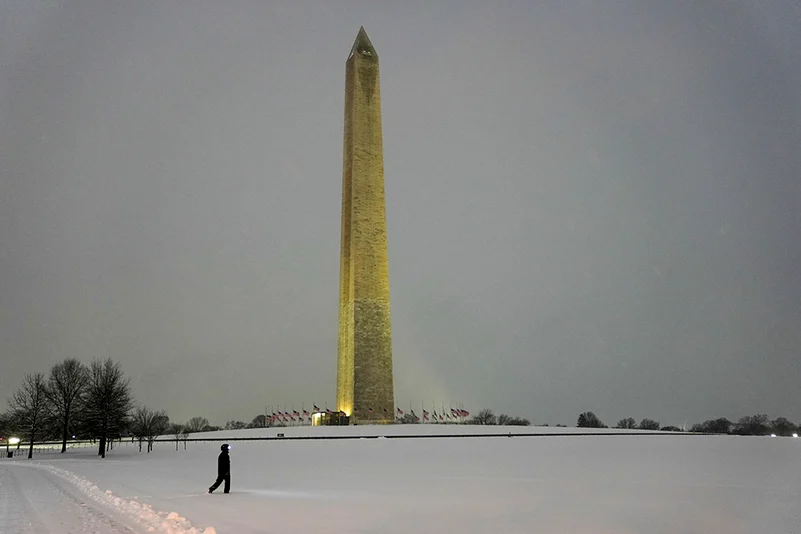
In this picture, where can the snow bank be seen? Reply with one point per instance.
(144, 514)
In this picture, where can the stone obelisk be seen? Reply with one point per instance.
(364, 368)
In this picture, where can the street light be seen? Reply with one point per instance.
(11, 441)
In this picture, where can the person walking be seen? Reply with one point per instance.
(223, 470)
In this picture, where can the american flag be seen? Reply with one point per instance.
(316, 408)
(400, 412)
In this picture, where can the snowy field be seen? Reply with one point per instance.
(568, 484)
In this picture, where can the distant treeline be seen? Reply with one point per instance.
(750, 425)
(94, 402)
(483, 417)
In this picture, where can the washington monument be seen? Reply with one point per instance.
(364, 367)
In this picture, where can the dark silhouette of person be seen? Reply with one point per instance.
(223, 470)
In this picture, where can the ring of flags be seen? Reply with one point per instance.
(304, 416)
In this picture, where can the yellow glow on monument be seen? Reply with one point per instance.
(364, 356)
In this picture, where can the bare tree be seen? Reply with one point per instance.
(260, 421)
(237, 425)
(508, 420)
(6, 424)
(182, 435)
(108, 401)
(589, 420)
(484, 417)
(783, 427)
(147, 425)
(648, 424)
(138, 422)
(179, 431)
(66, 386)
(29, 407)
(197, 424)
(752, 425)
(713, 426)
(159, 425)
(628, 422)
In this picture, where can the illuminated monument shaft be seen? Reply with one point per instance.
(364, 367)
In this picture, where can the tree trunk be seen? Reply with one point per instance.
(101, 451)
(64, 434)
(30, 448)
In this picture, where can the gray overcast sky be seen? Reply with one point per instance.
(590, 205)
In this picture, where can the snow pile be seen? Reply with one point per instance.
(144, 514)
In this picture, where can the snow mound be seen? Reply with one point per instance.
(144, 514)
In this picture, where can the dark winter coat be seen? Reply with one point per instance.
(223, 464)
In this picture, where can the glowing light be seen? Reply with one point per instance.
(773, 435)
(795, 435)
(13, 441)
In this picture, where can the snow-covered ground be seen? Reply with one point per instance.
(577, 484)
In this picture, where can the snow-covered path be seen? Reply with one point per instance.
(37, 501)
